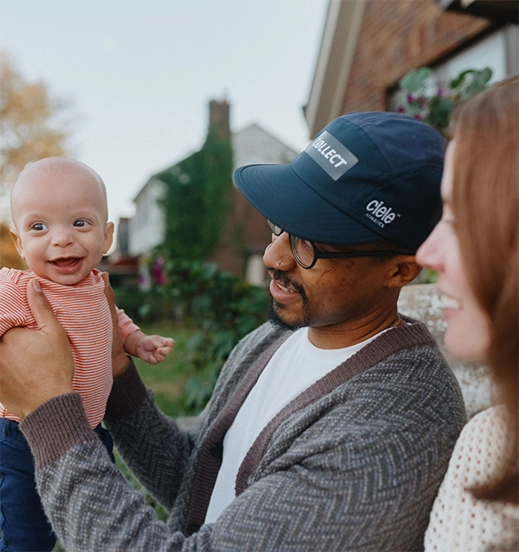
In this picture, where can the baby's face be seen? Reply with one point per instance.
(60, 216)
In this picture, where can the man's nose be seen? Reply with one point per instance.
(278, 254)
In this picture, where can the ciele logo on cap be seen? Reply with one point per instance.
(331, 155)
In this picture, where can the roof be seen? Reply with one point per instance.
(252, 144)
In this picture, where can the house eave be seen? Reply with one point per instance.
(338, 44)
(503, 11)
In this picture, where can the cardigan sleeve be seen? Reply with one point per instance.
(356, 470)
(345, 483)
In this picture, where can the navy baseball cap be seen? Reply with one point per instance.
(366, 177)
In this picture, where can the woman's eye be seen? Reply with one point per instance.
(80, 223)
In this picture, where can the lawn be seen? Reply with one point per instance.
(168, 378)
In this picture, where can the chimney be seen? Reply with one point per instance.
(219, 119)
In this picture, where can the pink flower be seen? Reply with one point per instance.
(157, 272)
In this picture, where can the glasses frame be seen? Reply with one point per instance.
(318, 254)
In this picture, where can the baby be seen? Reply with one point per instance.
(61, 229)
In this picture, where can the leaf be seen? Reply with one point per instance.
(478, 83)
(415, 80)
(414, 96)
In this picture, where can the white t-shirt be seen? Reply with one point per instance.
(294, 367)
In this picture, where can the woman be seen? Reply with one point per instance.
(474, 249)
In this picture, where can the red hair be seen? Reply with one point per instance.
(485, 204)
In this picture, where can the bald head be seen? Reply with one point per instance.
(57, 177)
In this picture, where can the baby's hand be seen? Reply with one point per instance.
(154, 348)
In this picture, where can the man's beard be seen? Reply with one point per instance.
(276, 310)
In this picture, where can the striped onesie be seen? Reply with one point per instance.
(82, 309)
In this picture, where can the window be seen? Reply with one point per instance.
(499, 51)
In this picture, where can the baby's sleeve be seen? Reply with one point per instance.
(126, 324)
(13, 306)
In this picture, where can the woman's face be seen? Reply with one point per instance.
(468, 327)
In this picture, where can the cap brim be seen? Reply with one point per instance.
(286, 200)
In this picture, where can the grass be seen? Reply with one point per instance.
(168, 378)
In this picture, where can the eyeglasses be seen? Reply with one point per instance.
(306, 252)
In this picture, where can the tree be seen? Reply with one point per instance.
(9, 256)
(30, 129)
(30, 124)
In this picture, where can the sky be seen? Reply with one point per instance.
(138, 75)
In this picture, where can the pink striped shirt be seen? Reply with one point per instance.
(82, 309)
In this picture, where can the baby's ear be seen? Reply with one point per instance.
(109, 237)
(17, 242)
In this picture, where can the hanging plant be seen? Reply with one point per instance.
(418, 94)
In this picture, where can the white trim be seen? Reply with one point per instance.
(341, 31)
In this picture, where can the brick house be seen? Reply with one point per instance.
(368, 45)
(246, 233)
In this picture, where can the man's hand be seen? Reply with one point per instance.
(35, 365)
(119, 359)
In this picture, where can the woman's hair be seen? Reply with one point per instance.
(485, 204)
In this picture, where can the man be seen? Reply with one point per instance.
(330, 429)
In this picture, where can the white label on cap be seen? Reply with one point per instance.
(380, 213)
(331, 155)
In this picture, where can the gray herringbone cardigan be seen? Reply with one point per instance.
(353, 463)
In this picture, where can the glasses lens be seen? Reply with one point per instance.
(276, 230)
(303, 251)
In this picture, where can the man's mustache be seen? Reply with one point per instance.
(281, 277)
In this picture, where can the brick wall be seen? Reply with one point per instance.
(246, 231)
(397, 36)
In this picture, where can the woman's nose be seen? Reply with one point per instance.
(430, 253)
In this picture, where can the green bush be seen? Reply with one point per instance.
(220, 306)
(144, 306)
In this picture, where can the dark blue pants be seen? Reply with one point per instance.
(24, 526)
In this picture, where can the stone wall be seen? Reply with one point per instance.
(422, 302)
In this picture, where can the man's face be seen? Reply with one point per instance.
(332, 296)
